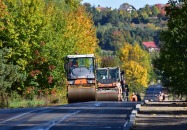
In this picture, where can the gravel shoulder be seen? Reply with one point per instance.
(162, 115)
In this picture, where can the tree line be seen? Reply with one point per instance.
(35, 36)
(173, 54)
(114, 26)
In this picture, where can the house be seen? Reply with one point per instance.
(99, 8)
(150, 46)
(127, 7)
(161, 8)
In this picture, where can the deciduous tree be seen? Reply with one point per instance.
(173, 53)
(136, 64)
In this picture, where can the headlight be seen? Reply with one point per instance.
(90, 81)
(99, 84)
(70, 82)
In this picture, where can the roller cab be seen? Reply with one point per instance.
(81, 85)
(106, 79)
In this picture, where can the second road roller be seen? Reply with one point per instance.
(106, 79)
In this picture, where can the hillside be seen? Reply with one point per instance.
(126, 24)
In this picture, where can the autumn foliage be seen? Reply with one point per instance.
(39, 34)
(136, 64)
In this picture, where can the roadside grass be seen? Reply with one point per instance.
(26, 103)
(29, 100)
(36, 102)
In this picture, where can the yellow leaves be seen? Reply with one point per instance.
(135, 63)
(1, 43)
(151, 26)
(22, 63)
(125, 52)
(80, 31)
(3, 11)
(132, 25)
(134, 71)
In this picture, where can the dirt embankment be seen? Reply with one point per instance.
(162, 116)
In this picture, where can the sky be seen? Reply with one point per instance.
(116, 3)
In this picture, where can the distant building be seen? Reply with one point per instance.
(161, 8)
(99, 8)
(127, 7)
(150, 46)
(181, 2)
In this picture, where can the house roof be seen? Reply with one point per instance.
(126, 7)
(100, 8)
(150, 44)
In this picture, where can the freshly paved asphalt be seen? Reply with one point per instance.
(75, 116)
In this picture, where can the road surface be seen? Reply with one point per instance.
(75, 116)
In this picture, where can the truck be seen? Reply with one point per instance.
(106, 79)
(81, 80)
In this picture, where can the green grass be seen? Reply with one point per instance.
(17, 101)
(25, 103)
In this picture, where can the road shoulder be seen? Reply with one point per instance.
(161, 115)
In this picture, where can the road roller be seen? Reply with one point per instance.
(81, 83)
(106, 79)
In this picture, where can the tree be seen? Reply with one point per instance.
(9, 73)
(144, 15)
(113, 17)
(173, 55)
(3, 13)
(136, 64)
(24, 28)
(125, 15)
(109, 61)
(155, 11)
(134, 14)
(148, 9)
(26, 25)
(40, 33)
(80, 33)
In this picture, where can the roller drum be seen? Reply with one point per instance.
(81, 94)
(106, 96)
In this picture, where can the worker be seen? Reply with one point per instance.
(138, 97)
(75, 63)
(163, 96)
(120, 98)
(133, 97)
(160, 96)
(125, 90)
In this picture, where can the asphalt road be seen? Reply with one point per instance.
(75, 116)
